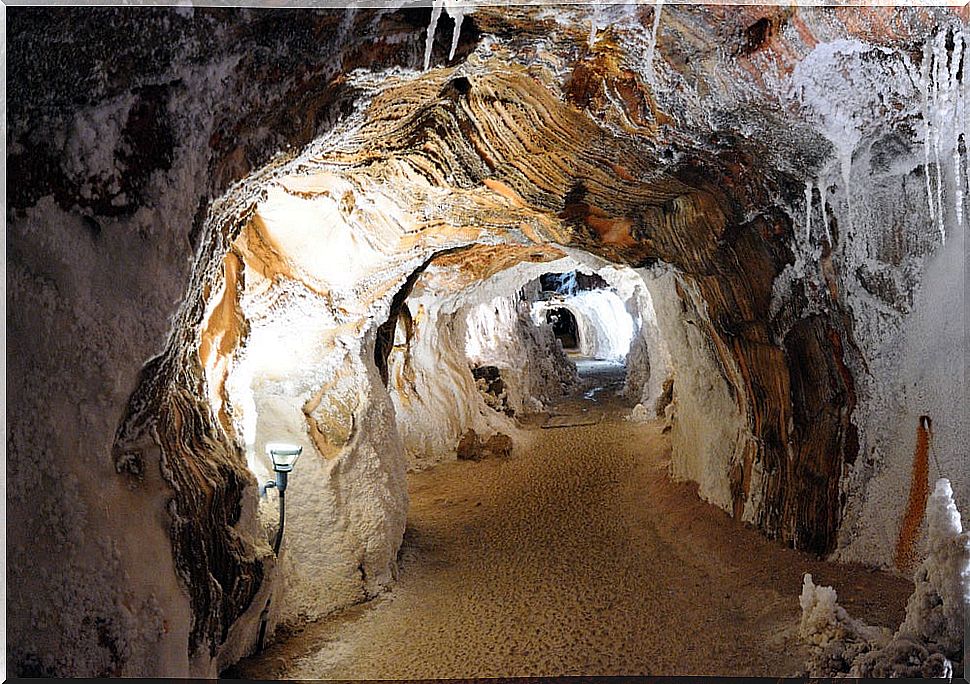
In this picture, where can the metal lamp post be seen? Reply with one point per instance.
(284, 457)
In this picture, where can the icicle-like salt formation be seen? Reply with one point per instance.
(958, 89)
(432, 28)
(845, 165)
(456, 12)
(829, 84)
(808, 211)
(943, 89)
(935, 68)
(963, 114)
(822, 201)
(920, 79)
(652, 46)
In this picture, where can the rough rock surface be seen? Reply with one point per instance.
(791, 179)
(123, 127)
(474, 448)
(577, 557)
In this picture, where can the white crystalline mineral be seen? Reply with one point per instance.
(640, 414)
(432, 28)
(935, 612)
(929, 643)
(823, 619)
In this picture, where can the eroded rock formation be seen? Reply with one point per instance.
(787, 181)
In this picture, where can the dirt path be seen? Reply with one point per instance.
(576, 556)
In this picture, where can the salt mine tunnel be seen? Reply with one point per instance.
(611, 339)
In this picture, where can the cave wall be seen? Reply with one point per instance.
(435, 396)
(347, 500)
(918, 371)
(894, 220)
(457, 325)
(684, 221)
(502, 330)
(605, 328)
(122, 126)
(707, 427)
(688, 146)
(864, 209)
(649, 363)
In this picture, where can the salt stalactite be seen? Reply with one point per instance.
(432, 28)
(943, 89)
(822, 200)
(963, 114)
(808, 211)
(920, 79)
(957, 87)
(652, 45)
(845, 165)
(935, 97)
(456, 12)
(829, 84)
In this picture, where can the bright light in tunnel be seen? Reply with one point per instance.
(284, 353)
(283, 455)
(316, 238)
(606, 328)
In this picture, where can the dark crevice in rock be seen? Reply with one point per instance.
(756, 36)
(493, 389)
(384, 342)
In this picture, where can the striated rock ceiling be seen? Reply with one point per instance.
(685, 149)
(681, 148)
(686, 137)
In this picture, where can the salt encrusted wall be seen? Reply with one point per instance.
(802, 209)
(122, 125)
(434, 392)
(707, 429)
(880, 229)
(605, 326)
(482, 323)
(500, 332)
(648, 364)
(435, 396)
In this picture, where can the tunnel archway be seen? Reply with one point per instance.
(376, 249)
(784, 278)
(564, 327)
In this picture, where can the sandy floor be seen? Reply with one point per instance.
(576, 556)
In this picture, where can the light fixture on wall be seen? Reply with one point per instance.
(284, 457)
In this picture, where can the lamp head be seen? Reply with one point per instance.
(284, 456)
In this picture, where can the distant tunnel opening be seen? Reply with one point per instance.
(564, 327)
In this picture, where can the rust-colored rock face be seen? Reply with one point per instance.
(230, 163)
